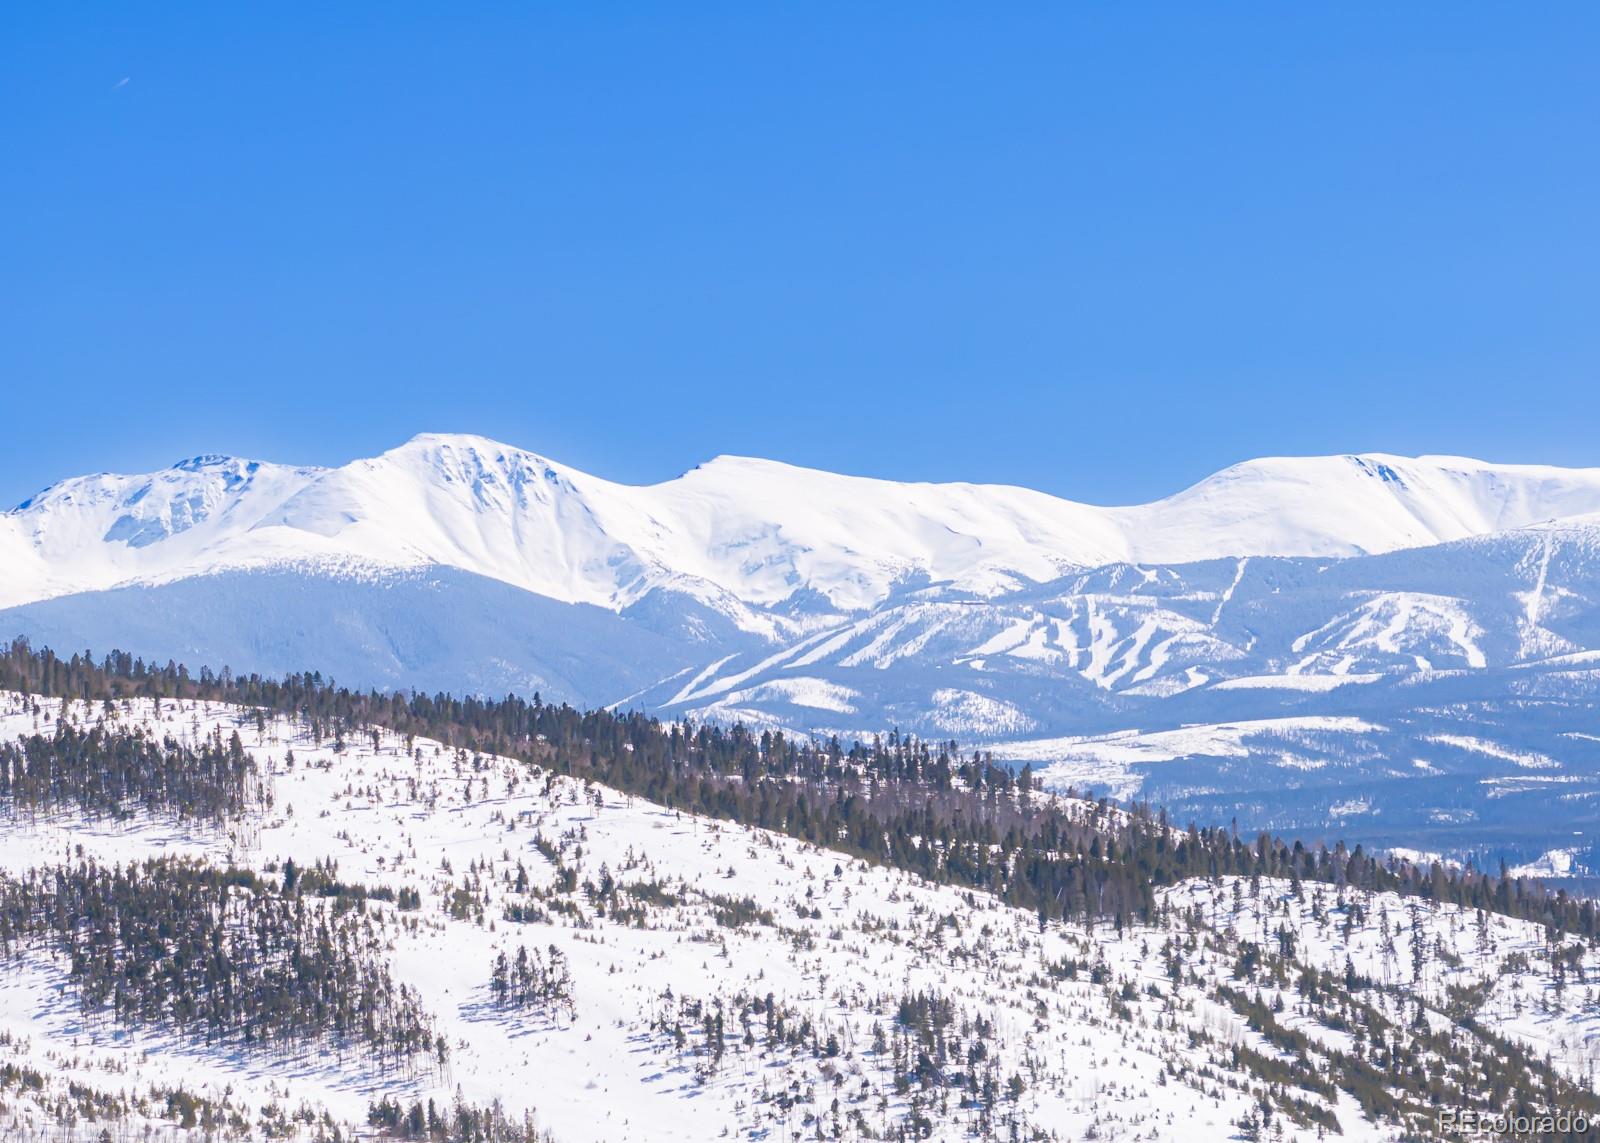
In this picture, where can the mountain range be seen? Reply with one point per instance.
(1404, 650)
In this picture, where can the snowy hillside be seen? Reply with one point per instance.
(1412, 646)
(729, 982)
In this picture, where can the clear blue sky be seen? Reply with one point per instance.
(1097, 249)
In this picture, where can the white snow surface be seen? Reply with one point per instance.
(753, 531)
(427, 817)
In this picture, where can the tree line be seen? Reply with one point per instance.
(912, 804)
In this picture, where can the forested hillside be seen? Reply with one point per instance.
(280, 908)
(919, 806)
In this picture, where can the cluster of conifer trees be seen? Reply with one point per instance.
(1397, 1075)
(217, 954)
(912, 804)
(935, 1055)
(710, 1029)
(462, 1123)
(105, 771)
(935, 1048)
(531, 981)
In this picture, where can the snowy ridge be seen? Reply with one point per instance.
(737, 531)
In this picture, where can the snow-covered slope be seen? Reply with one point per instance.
(746, 533)
(729, 982)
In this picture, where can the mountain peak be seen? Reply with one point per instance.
(469, 448)
(211, 460)
(745, 528)
(463, 441)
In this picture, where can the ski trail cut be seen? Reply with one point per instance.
(1536, 596)
(1227, 595)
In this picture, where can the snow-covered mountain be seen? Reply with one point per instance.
(756, 532)
(1375, 623)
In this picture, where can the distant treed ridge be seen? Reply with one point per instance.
(899, 801)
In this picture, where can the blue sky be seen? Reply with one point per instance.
(1099, 250)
